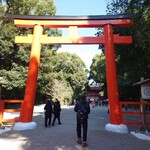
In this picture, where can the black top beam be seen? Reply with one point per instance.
(94, 17)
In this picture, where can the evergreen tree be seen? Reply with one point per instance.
(132, 60)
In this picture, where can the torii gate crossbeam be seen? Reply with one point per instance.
(39, 23)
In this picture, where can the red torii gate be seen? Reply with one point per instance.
(38, 23)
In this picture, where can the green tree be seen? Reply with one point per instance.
(73, 69)
(62, 75)
(62, 90)
(132, 60)
(98, 71)
(15, 58)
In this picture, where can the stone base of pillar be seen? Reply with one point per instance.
(25, 125)
(116, 128)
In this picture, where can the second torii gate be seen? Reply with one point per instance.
(38, 23)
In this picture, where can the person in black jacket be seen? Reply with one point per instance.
(48, 112)
(56, 111)
(82, 123)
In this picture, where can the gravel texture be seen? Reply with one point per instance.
(63, 137)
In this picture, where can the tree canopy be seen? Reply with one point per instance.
(132, 60)
(61, 75)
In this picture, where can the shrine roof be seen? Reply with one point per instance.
(98, 88)
(142, 82)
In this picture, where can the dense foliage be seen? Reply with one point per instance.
(132, 60)
(61, 75)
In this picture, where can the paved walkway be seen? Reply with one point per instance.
(63, 137)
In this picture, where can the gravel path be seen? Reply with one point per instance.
(63, 137)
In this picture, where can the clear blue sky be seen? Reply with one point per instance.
(81, 8)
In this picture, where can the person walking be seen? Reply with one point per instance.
(82, 108)
(48, 112)
(56, 111)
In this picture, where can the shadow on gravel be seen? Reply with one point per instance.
(63, 137)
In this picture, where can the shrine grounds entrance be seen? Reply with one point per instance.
(37, 39)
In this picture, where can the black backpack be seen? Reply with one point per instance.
(82, 113)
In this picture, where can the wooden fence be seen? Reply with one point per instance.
(10, 106)
(133, 113)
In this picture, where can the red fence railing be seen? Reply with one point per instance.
(132, 113)
(10, 106)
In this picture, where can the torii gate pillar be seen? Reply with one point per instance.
(112, 86)
(27, 106)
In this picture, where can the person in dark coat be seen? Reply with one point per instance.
(48, 112)
(56, 111)
(82, 125)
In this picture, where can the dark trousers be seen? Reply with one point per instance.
(48, 119)
(56, 117)
(82, 126)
